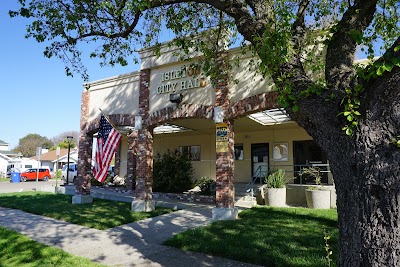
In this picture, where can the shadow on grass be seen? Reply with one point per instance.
(17, 250)
(137, 242)
(101, 214)
(266, 236)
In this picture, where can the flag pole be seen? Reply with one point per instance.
(109, 121)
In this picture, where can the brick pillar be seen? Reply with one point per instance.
(144, 168)
(225, 167)
(82, 183)
(144, 160)
(131, 164)
(225, 192)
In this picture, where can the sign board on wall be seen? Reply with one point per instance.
(182, 79)
(222, 137)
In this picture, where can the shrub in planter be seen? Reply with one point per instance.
(317, 197)
(97, 183)
(207, 185)
(275, 193)
(172, 172)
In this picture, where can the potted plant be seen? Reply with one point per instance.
(317, 197)
(275, 193)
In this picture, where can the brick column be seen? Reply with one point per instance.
(131, 164)
(225, 192)
(82, 183)
(144, 168)
(225, 168)
(144, 161)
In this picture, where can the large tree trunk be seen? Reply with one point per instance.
(366, 170)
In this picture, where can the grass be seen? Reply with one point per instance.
(18, 250)
(101, 214)
(4, 179)
(267, 236)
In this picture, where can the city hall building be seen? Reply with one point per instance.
(234, 132)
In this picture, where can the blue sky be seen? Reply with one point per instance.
(36, 95)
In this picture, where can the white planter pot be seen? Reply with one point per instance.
(318, 199)
(275, 197)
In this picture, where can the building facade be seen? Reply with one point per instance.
(234, 130)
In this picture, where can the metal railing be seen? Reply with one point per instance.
(259, 175)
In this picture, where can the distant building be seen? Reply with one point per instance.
(49, 158)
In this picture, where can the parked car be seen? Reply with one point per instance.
(32, 174)
(72, 174)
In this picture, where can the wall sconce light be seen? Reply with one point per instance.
(175, 98)
(138, 122)
(218, 114)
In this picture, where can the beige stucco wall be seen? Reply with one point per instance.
(204, 167)
(247, 81)
(115, 95)
(195, 88)
(271, 135)
(123, 156)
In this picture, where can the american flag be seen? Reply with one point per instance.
(108, 140)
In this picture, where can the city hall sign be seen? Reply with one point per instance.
(182, 79)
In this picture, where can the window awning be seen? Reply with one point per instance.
(270, 116)
(169, 128)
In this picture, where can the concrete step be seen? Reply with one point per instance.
(246, 202)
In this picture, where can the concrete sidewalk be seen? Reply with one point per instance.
(134, 244)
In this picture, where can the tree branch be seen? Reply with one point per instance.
(298, 27)
(263, 9)
(236, 9)
(122, 34)
(342, 47)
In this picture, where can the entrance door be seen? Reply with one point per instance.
(306, 154)
(259, 161)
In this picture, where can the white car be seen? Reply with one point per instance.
(72, 174)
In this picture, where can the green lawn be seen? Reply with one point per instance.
(3, 179)
(267, 236)
(101, 214)
(18, 250)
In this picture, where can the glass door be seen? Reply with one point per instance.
(259, 161)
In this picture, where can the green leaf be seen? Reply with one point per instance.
(350, 118)
(295, 108)
(349, 131)
(388, 66)
(380, 71)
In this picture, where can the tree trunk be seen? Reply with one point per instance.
(366, 170)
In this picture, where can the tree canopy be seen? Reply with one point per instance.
(62, 141)
(27, 145)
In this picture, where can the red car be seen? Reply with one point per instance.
(31, 174)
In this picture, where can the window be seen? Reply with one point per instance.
(193, 152)
(239, 152)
